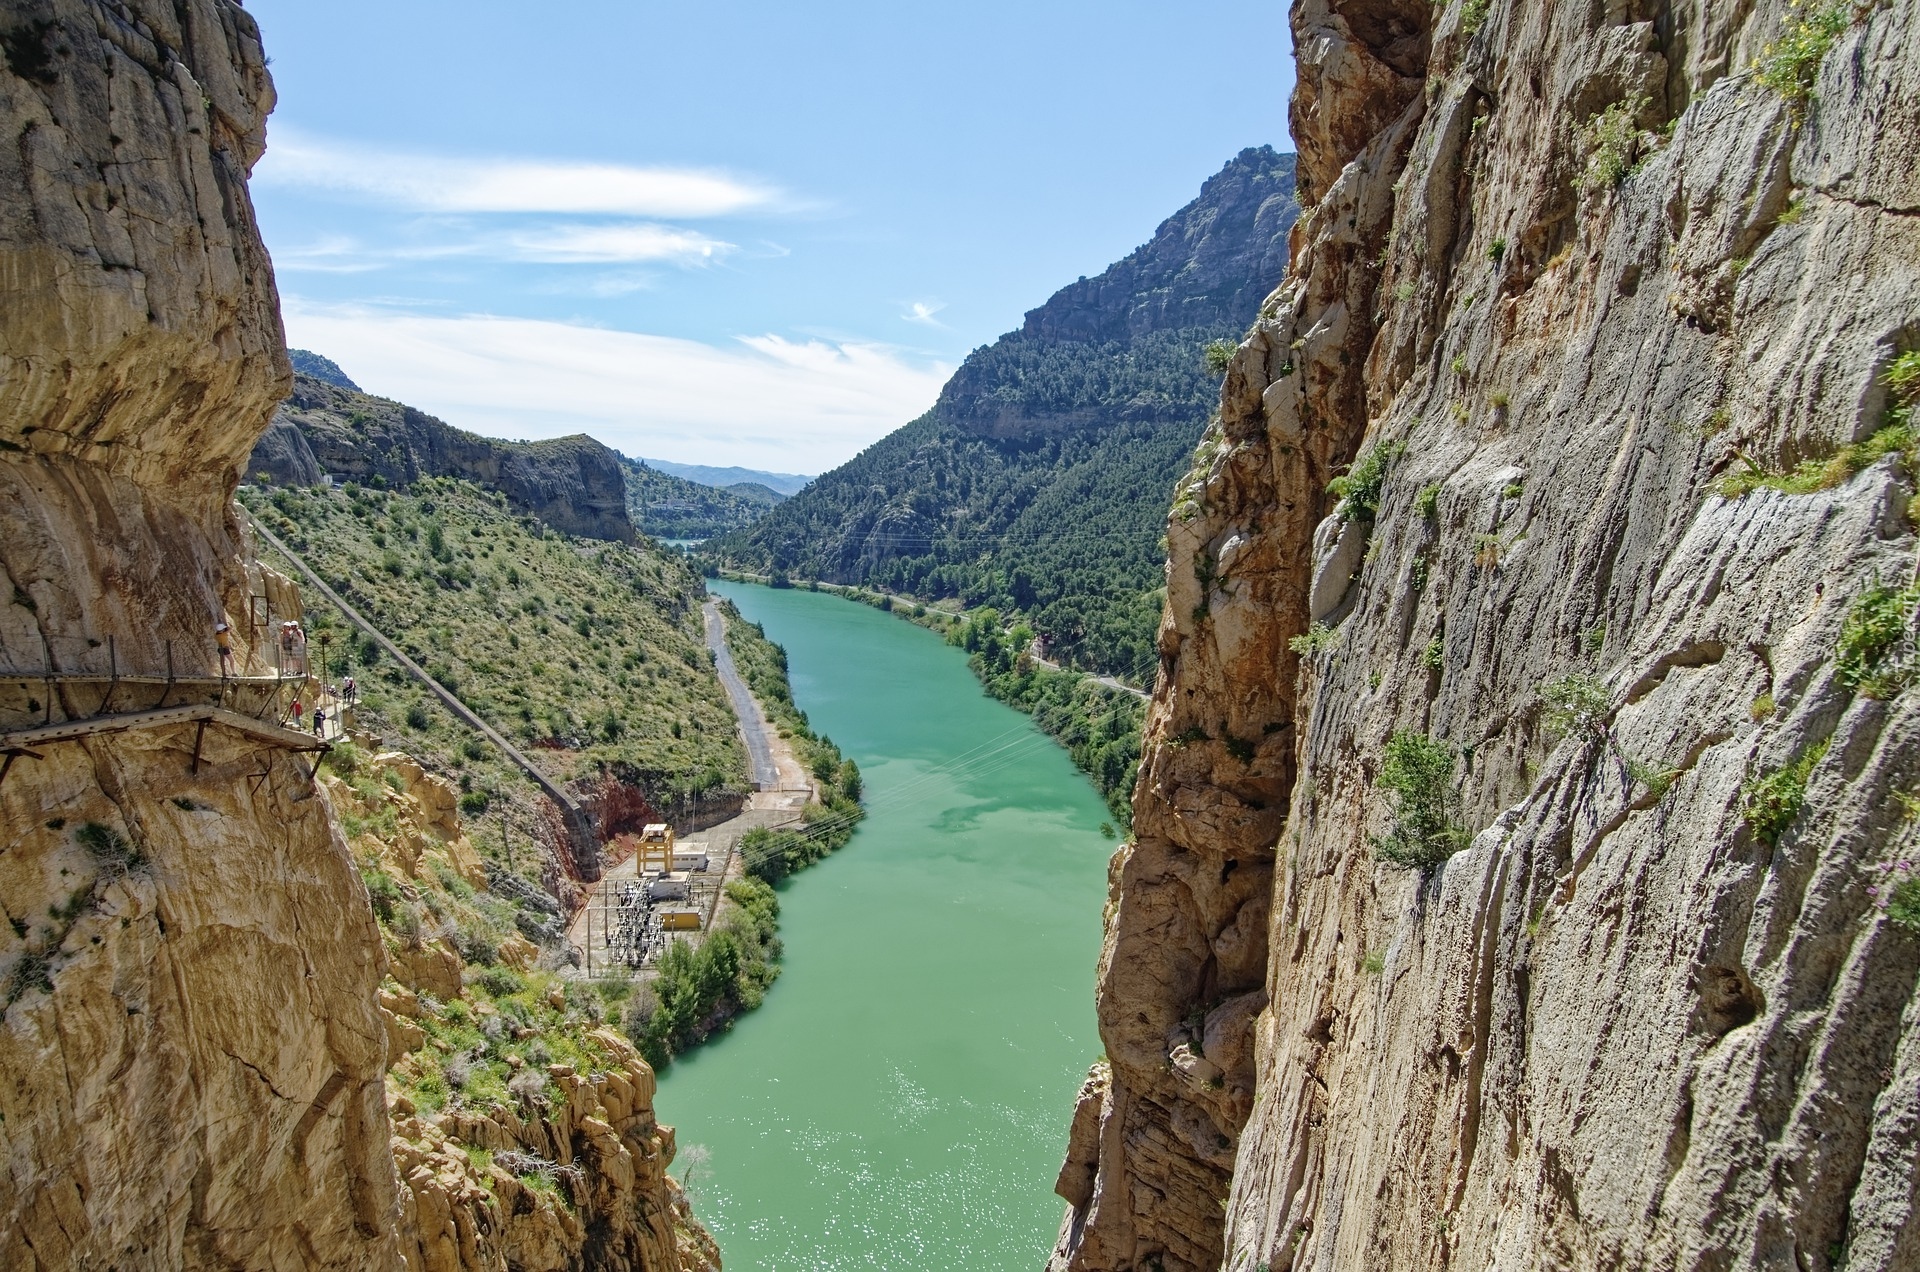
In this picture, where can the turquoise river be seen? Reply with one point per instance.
(901, 1100)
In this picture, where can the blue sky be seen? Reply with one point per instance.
(745, 233)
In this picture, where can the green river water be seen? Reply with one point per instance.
(901, 1100)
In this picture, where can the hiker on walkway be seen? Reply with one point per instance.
(349, 690)
(296, 713)
(319, 722)
(293, 648)
(223, 640)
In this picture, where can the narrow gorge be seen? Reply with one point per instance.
(1552, 541)
(1522, 870)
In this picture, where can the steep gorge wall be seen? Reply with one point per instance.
(1621, 1029)
(193, 1054)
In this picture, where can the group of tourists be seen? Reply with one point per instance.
(293, 660)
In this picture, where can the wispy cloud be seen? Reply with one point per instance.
(762, 401)
(923, 313)
(569, 244)
(446, 183)
(617, 244)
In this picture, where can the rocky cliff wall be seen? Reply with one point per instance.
(1571, 279)
(192, 1049)
(574, 484)
(524, 1134)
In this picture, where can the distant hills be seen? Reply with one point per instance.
(672, 507)
(726, 478)
(330, 428)
(1040, 481)
(574, 484)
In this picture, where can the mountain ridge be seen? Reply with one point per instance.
(1081, 418)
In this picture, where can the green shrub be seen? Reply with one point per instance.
(417, 717)
(1359, 488)
(501, 982)
(1427, 502)
(383, 891)
(1902, 378)
(1812, 475)
(109, 849)
(1876, 623)
(1576, 704)
(1611, 140)
(1434, 656)
(1219, 355)
(1900, 894)
(1790, 64)
(1316, 638)
(1771, 801)
(1418, 777)
(1473, 14)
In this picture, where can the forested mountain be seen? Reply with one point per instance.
(672, 507)
(782, 484)
(1039, 482)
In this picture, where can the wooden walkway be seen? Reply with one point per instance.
(21, 743)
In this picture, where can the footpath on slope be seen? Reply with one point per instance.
(785, 790)
(586, 853)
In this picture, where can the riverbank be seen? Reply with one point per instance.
(807, 805)
(901, 1099)
(1097, 719)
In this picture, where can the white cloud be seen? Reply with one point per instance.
(763, 402)
(625, 244)
(923, 313)
(443, 183)
(630, 243)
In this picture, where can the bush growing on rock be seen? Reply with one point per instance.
(1418, 777)
(1359, 488)
(1873, 630)
(1576, 705)
(1773, 800)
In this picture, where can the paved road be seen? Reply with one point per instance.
(766, 775)
(1108, 681)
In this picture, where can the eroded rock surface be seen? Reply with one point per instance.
(563, 1165)
(193, 1054)
(1562, 271)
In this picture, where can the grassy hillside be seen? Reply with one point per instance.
(669, 507)
(1039, 483)
(588, 654)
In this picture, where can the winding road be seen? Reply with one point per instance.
(753, 728)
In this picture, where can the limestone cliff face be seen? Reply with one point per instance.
(191, 1047)
(193, 1055)
(1562, 267)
